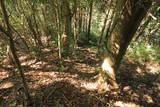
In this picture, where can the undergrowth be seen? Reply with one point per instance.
(144, 52)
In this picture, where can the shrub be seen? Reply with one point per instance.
(144, 52)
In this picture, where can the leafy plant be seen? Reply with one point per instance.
(36, 51)
(144, 52)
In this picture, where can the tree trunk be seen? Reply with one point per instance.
(23, 40)
(37, 39)
(59, 36)
(13, 51)
(80, 21)
(102, 33)
(90, 20)
(67, 26)
(120, 38)
(75, 23)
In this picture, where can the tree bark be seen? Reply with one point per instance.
(102, 32)
(13, 51)
(59, 36)
(90, 20)
(37, 40)
(122, 34)
(67, 26)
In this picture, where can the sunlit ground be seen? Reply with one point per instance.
(77, 86)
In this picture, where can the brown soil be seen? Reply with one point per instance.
(76, 86)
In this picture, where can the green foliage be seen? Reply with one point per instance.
(52, 30)
(39, 1)
(147, 48)
(97, 22)
(36, 51)
(2, 48)
(93, 38)
(144, 52)
(1, 51)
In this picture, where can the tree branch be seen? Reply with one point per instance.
(4, 31)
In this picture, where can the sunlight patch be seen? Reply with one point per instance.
(3, 74)
(153, 69)
(37, 65)
(148, 99)
(23, 58)
(46, 50)
(125, 104)
(6, 85)
(107, 66)
(139, 70)
(30, 62)
(89, 86)
(117, 46)
(41, 78)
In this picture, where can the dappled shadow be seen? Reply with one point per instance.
(83, 66)
(82, 71)
(86, 56)
(66, 94)
(73, 86)
(11, 91)
(138, 84)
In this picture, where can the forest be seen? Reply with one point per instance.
(79, 53)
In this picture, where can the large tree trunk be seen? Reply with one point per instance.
(67, 26)
(130, 14)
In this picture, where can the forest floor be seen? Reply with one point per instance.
(76, 86)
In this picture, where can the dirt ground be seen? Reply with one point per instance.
(76, 86)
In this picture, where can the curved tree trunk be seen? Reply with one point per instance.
(120, 38)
